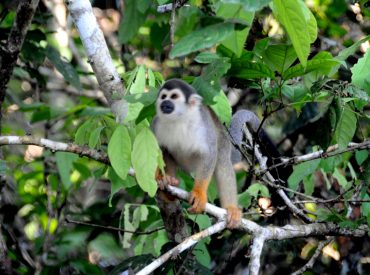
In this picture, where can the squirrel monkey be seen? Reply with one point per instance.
(193, 139)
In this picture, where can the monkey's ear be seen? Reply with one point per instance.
(195, 100)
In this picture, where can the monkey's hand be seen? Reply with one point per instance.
(198, 199)
(164, 180)
(234, 216)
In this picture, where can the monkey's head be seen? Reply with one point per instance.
(176, 99)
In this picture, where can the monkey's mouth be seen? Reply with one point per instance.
(167, 107)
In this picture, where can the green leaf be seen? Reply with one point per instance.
(201, 39)
(311, 66)
(222, 108)
(279, 57)
(95, 136)
(144, 98)
(365, 206)
(341, 179)
(292, 17)
(206, 57)
(138, 85)
(65, 68)
(208, 84)
(344, 54)
(202, 220)
(134, 16)
(117, 183)
(346, 127)
(202, 255)
(119, 151)
(250, 70)
(361, 156)
(105, 245)
(257, 189)
(145, 160)
(311, 21)
(309, 185)
(301, 171)
(361, 72)
(249, 5)
(64, 162)
(235, 42)
(244, 200)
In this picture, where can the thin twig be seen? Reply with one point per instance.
(173, 23)
(112, 228)
(188, 242)
(330, 152)
(314, 257)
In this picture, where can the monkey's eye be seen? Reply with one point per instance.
(174, 96)
(163, 96)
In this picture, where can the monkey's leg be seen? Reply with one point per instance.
(227, 188)
(205, 166)
(198, 196)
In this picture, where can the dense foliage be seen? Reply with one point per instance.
(304, 67)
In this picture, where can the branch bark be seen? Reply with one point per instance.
(330, 152)
(98, 56)
(188, 242)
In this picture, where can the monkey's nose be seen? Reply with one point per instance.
(167, 107)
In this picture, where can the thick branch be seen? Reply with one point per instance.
(255, 255)
(188, 242)
(98, 55)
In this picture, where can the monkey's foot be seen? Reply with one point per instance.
(234, 216)
(165, 180)
(198, 200)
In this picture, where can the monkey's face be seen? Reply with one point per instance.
(172, 104)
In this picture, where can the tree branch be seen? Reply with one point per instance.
(169, 7)
(314, 257)
(56, 146)
(330, 152)
(255, 255)
(98, 55)
(188, 242)
(269, 179)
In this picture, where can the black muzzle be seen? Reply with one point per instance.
(167, 107)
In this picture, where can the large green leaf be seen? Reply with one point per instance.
(137, 87)
(346, 126)
(208, 84)
(119, 151)
(292, 17)
(301, 171)
(202, 39)
(312, 65)
(236, 40)
(144, 157)
(361, 72)
(133, 17)
(279, 57)
(249, 5)
(65, 68)
(251, 70)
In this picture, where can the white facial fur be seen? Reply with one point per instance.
(182, 130)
